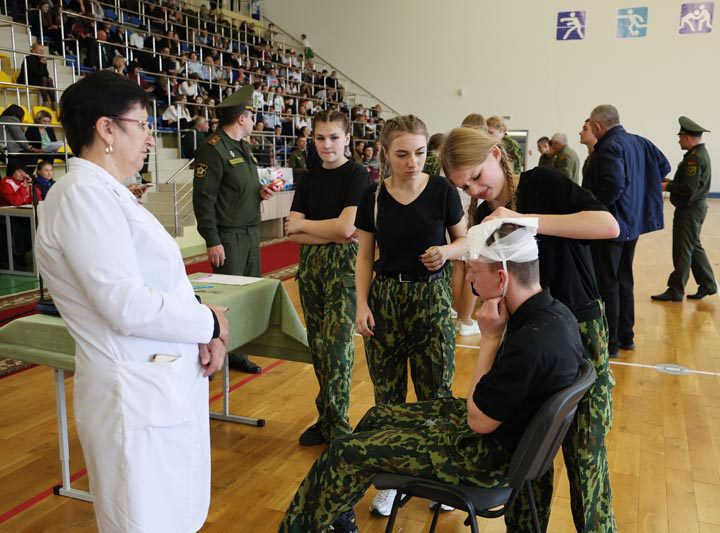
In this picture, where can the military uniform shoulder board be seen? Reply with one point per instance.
(254, 160)
(212, 141)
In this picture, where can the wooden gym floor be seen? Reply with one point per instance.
(664, 448)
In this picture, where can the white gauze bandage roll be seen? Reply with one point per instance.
(519, 246)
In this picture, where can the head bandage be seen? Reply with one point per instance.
(518, 247)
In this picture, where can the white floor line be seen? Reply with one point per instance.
(667, 368)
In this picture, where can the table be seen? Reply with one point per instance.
(262, 321)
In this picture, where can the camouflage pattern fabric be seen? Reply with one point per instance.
(432, 164)
(426, 439)
(326, 280)
(514, 152)
(583, 450)
(412, 323)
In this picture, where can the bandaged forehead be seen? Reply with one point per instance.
(519, 246)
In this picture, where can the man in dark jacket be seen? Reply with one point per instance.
(34, 72)
(688, 190)
(626, 175)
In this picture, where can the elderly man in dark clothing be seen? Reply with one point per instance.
(34, 72)
(626, 175)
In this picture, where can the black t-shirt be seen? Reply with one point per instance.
(404, 232)
(541, 355)
(566, 265)
(324, 193)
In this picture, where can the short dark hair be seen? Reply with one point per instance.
(42, 163)
(544, 139)
(228, 115)
(527, 273)
(14, 110)
(100, 94)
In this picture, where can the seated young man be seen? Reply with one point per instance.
(530, 348)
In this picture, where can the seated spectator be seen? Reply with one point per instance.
(177, 114)
(99, 53)
(134, 73)
(271, 119)
(461, 441)
(96, 10)
(47, 19)
(41, 138)
(193, 65)
(358, 151)
(119, 65)
(189, 87)
(13, 141)
(191, 139)
(370, 162)
(137, 39)
(34, 72)
(271, 79)
(44, 177)
(15, 187)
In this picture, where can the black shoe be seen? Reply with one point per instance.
(701, 293)
(667, 296)
(243, 364)
(628, 346)
(345, 523)
(613, 355)
(313, 436)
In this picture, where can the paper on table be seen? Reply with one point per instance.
(224, 279)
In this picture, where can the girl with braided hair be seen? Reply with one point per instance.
(404, 310)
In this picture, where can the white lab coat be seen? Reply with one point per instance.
(119, 282)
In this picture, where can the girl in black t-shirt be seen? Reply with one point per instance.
(322, 219)
(404, 312)
(568, 216)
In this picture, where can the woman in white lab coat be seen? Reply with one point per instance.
(144, 345)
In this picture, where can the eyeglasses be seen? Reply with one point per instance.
(144, 124)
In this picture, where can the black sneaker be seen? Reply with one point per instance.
(345, 523)
(312, 436)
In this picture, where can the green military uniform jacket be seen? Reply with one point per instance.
(226, 192)
(692, 178)
(432, 164)
(514, 152)
(298, 159)
(567, 162)
(546, 160)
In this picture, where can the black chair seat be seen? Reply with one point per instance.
(428, 488)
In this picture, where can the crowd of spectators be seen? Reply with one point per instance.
(189, 60)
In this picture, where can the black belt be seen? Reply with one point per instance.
(413, 278)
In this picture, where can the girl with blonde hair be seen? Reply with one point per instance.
(569, 216)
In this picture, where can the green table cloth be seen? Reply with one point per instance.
(262, 321)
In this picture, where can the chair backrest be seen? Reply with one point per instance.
(547, 429)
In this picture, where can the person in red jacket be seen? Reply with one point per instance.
(15, 187)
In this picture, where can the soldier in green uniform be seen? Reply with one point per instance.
(298, 157)
(565, 160)
(688, 190)
(546, 156)
(227, 195)
(432, 163)
(497, 127)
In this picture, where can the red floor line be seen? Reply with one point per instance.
(247, 380)
(80, 473)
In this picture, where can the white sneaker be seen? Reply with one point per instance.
(443, 507)
(457, 323)
(382, 502)
(453, 313)
(467, 330)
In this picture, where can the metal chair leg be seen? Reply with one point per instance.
(394, 512)
(533, 509)
(436, 514)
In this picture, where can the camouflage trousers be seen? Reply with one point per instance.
(326, 279)
(583, 450)
(412, 324)
(425, 439)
